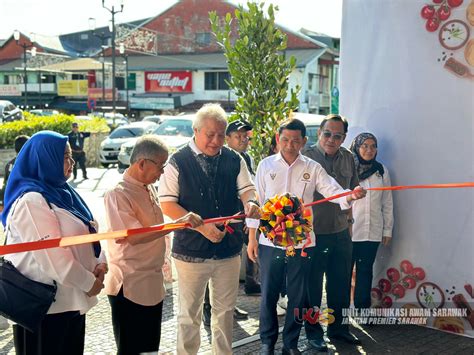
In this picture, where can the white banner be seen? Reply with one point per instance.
(407, 75)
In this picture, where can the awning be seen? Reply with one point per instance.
(160, 101)
(69, 106)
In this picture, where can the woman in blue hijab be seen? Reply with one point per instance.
(40, 204)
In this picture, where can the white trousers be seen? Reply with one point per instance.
(223, 278)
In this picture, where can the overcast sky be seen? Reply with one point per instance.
(55, 17)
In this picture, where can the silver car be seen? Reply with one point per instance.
(9, 112)
(110, 146)
(174, 131)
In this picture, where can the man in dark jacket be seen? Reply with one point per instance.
(333, 251)
(237, 138)
(76, 140)
(209, 179)
(19, 143)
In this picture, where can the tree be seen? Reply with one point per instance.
(259, 71)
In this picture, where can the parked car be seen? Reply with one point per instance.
(113, 119)
(82, 117)
(174, 131)
(9, 112)
(155, 118)
(110, 146)
(312, 122)
(44, 112)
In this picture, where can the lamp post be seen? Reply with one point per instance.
(33, 54)
(102, 60)
(102, 36)
(25, 46)
(125, 57)
(113, 12)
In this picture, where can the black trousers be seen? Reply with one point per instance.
(80, 159)
(363, 257)
(272, 265)
(333, 257)
(61, 333)
(137, 328)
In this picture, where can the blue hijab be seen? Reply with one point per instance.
(39, 167)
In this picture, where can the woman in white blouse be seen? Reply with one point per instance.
(372, 215)
(40, 204)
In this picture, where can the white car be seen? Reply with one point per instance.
(312, 122)
(9, 112)
(174, 131)
(110, 146)
(156, 118)
(113, 119)
(40, 112)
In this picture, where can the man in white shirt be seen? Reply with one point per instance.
(288, 171)
(207, 178)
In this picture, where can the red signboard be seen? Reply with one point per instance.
(96, 93)
(168, 81)
(91, 79)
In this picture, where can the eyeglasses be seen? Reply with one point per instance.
(159, 166)
(336, 136)
(368, 146)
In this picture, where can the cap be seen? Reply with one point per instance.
(75, 124)
(238, 125)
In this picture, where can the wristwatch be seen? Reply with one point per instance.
(350, 220)
(254, 202)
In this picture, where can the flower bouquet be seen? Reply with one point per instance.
(286, 223)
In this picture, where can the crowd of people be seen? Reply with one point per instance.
(212, 176)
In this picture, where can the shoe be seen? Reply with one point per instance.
(85, 178)
(347, 337)
(318, 344)
(206, 315)
(286, 351)
(280, 311)
(283, 302)
(267, 349)
(240, 314)
(253, 290)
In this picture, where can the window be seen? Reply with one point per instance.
(120, 82)
(127, 132)
(216, 80)
(6, 79)
(172, 127)
(48, 79)
(132, 82)
(203, 38)
(78, 77)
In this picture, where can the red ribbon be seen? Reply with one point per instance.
(88, 238)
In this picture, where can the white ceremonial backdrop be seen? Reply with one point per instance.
(394, 84)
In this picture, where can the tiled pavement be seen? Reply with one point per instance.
(394, 339)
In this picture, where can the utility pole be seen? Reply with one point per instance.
(113, 12)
